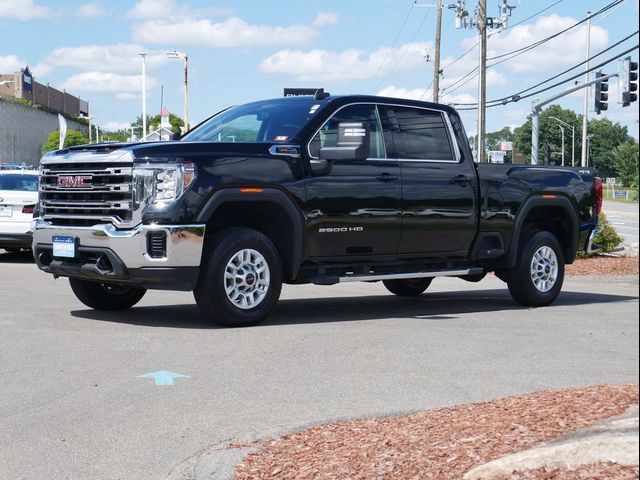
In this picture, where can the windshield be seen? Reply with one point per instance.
(269, 121)
(23, 183)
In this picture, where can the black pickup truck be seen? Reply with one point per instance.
(306, 189)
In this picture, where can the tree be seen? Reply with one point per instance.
(74, 137)
(604, 137)
(550, 133)
(625, 161)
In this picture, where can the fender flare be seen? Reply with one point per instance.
(268, 195)
(539, 201)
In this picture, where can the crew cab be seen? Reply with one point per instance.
(306, 189)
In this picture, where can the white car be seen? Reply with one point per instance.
(18, 198)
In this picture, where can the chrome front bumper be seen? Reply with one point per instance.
(105, 253)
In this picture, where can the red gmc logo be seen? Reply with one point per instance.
(74, 181)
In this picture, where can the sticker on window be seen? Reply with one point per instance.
(281, 138)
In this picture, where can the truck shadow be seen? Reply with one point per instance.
(436, 306)
(25, 256)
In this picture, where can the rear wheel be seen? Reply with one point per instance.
(240, 279)
(538, 275)
(105, 296)
(409, 287)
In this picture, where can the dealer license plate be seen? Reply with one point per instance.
(64, 246)
(6, 211)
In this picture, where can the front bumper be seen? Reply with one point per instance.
(165, 257)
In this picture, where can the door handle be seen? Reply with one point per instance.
(386, 177)
(461, 179)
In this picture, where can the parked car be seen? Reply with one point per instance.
(18, 198)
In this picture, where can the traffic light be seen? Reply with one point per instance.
(629, 81)
(601, 96)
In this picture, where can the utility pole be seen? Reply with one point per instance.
(482, 78)
(436, 58)
(144, 95)
(585, 110)
(482, 22)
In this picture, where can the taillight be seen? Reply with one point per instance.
(28, 208)
(599, 193)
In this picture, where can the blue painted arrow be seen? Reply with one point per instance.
(162, 377)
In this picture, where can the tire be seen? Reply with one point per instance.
(104, 296)
(410, 287)
(240, 278)
(538, 275)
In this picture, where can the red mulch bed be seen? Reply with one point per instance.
(443, 443)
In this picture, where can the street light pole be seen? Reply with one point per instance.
(185, 57)
(573, 139)
(562, 131)
(144, 95)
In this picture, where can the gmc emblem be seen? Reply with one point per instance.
(74, 181)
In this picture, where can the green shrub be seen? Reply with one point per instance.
(607, 237)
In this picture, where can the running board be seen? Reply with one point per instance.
(373, 277)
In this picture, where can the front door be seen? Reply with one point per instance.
(354, 208)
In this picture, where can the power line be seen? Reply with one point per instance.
(557, 34)
(403, 52)
(563, 72)
(392, 45)
(514, 98)
(527, 48)
(503, 30)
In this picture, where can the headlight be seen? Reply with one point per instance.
(162, 184)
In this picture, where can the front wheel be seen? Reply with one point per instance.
(240, 279)
(105, 296)
(538, 275)
(409, 287)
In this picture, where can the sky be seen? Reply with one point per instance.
(251, 50)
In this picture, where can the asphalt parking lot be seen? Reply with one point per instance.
(76, 402)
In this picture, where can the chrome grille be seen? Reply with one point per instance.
(86, 193)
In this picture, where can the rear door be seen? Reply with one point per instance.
(438, 185)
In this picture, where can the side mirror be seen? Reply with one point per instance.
(352, 143)
(175, 136)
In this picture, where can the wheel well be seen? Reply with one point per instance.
(552, 219)
(266, 217)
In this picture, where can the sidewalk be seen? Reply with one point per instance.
(614, 440)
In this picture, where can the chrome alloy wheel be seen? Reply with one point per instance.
(544, 269)
(246, 279)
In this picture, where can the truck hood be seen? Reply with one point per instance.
(154, 151)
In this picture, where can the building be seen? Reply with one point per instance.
(23, 129)
(22, 85)
(163, 132)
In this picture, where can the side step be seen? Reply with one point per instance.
(372, 277)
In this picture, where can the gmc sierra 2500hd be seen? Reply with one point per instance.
(306, 189)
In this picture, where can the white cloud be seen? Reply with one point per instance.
(114, 126)
(337, 67)
(23, 10)
(326, 18)
(163, 9)
(91, 10)
(120, 58)
(421, 94)
(11, 63)
(565, 50)
(232, 32)
(123, 86)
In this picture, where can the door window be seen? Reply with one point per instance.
(417, 134)
(328, 133)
